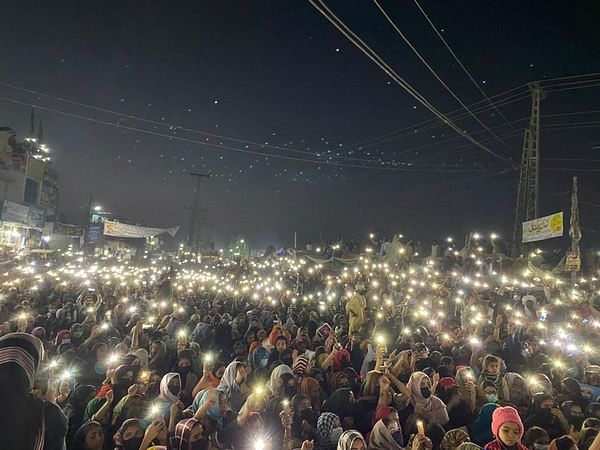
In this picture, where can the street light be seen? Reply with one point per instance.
(97, 208)
(494, 236)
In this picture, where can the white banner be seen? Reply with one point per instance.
(125, 230)
(543, 228)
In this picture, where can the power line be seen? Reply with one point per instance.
(435, 121)
(583, 75)
(327, 13)
(223, 147)
(459, 61)
(442, 82)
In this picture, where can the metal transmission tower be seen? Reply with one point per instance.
(197, 239)
(529, 171)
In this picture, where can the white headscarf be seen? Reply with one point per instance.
(277, 372)
(165, 393)
(228, 379)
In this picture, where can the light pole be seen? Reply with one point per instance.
(493, 237)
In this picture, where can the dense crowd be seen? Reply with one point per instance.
(281, 353)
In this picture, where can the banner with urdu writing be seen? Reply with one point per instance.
(125, 230)
(543, 228)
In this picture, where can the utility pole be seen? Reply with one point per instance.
(527, 207)
(86, 230)
(198, 217)
(574, 229)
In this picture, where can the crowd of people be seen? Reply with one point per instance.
(280, 353)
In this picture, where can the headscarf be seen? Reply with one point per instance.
(129, 407)
(78, 442)
(61, 337)
(381, 438)
(214, 412)
(468, 446)
(300, 365)
(118, 437)
(165, 393)
(462, 375)
(228, 382)
(541, 383)
(39, 330)
(142, 356)
(339, 402)
(519, 391)
(433, 408)
(348, 438)
(338, 358)
(21, 419)
(325, 424)
(370, 385)
(482, 427)
(24, 350)
(573, 386)
(183, 432)
(382, 413)
(336, 378)
(277, 372)
(453, 439)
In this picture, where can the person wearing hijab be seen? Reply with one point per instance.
(352, 440)
(26, 422)
(185, 369)
(129, 407)
(546, 415)
(570, 389)
(520, 397)
(382, 437)
(424, 403)
(304, 420)
(88, 437)
(188, 436)
(491, 373)
(329, 430)
(209, 407)
(507, 429)
(341, 403)
(481, 433)
(158, 357)
(130, 435)
(453, 439)
(233, 385)
(310, 386)
(274, 387)
(74, 409)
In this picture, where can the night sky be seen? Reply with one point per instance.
(275, 76)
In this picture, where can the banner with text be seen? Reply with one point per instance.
(117, 229)
(543, 228)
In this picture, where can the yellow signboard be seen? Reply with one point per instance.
(543, 228)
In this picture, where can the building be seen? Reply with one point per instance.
(28, 189)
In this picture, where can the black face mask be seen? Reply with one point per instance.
(290, 391)
(397, 436)
(426, 392)
(198, 445)
(175, 390)
(133, 443)
(183, 371)
(576, 421)
(546, 415)
(306, 414)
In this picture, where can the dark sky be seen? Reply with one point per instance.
(278, 72)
